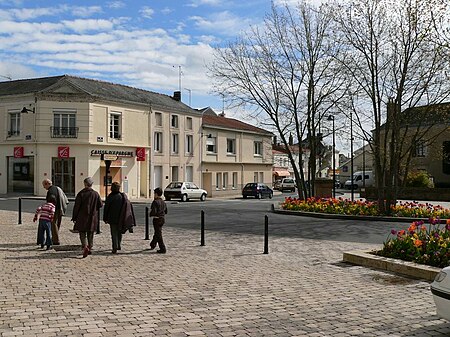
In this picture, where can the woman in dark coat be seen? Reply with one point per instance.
(118, 213)
(85, 215)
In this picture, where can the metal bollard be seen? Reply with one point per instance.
(266, 234)
(98, 223)
(202, 229)
(20, 211)
(147, 226)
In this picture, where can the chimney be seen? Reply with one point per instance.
(177, 96)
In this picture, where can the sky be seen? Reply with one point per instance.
(157, 45)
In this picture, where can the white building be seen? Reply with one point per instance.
(59, 128)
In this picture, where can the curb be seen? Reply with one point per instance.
(406, 268)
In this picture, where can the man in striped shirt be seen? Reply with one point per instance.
(45, 212)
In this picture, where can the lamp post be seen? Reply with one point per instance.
(331, 118)
(351, 155)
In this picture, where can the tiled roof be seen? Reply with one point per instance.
(97, 89)
(230, 123)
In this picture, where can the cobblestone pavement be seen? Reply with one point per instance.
(227, 288)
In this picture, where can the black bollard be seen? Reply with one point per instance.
(98, 223)
(147, 229)
(202, 229)
(266, 234)
(20, 211)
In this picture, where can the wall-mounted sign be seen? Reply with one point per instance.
(63, 152)
(112, 152)
(18, 152)
(140, 153)
(27, 137)
(100, 139)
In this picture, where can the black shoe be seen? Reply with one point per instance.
(42, 246)
(152, 247)
(119, 248)
(49, 247)
(161, 251)
(114, 251)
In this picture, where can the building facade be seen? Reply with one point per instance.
(234, 153)
(67, 128)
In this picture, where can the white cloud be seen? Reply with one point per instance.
(85, 12)
(224, 22)
(166, 11)
(116, 4)
(198, 3)
(20, 71)
(24, 14)
(147, 12)
(82, 25)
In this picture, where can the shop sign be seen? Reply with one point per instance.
(140, 153)
(117, 153)
(63, 152)
(18, 152)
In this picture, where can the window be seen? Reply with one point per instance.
(174, 143)
(190, 173)
(446, 157)
(158, 145)
(14, 123)
(218, 181)
(211, 145)
(115, 121)
(235, 180)
(174, 121)
(158, 119)
(258, 149)
(231, 146)
(188, 123)
(174, 172)
(225, 180)
(420, 149)
(189, 144)
(64, 124)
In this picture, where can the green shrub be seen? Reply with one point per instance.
(419, 179)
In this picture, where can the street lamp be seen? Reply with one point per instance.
(351, 155)
(331, 118)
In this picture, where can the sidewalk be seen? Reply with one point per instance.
(227, 288)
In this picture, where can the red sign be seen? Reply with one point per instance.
(140, 153)
(18, 152)
(63, 152)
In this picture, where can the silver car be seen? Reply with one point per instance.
(184, 191)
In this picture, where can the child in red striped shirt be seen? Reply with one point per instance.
(45, 213)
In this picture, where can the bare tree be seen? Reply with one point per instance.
(394, 59)
(285, 71)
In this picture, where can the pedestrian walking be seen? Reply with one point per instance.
(119, 214)
(158, 212)
(60, 208)
(45, 213)
(85, 215)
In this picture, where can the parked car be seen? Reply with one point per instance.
(184, 191)
(277, 184)
(287, 184)
(257, 190)
(358, 180)
(440, 289)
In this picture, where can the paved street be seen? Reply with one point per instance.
(227, 288)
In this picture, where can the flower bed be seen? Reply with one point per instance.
(420, 243)
(360, 207)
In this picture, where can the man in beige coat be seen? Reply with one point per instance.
(60, 210)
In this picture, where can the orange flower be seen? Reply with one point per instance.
(448, 221)
(418, 243)
(412, 228)
(423, 228)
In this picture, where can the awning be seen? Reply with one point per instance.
(281, 173)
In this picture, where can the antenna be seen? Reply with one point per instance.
(190, 91)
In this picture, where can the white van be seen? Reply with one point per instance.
(358, 181)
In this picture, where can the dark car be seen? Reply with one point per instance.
(257, 190)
